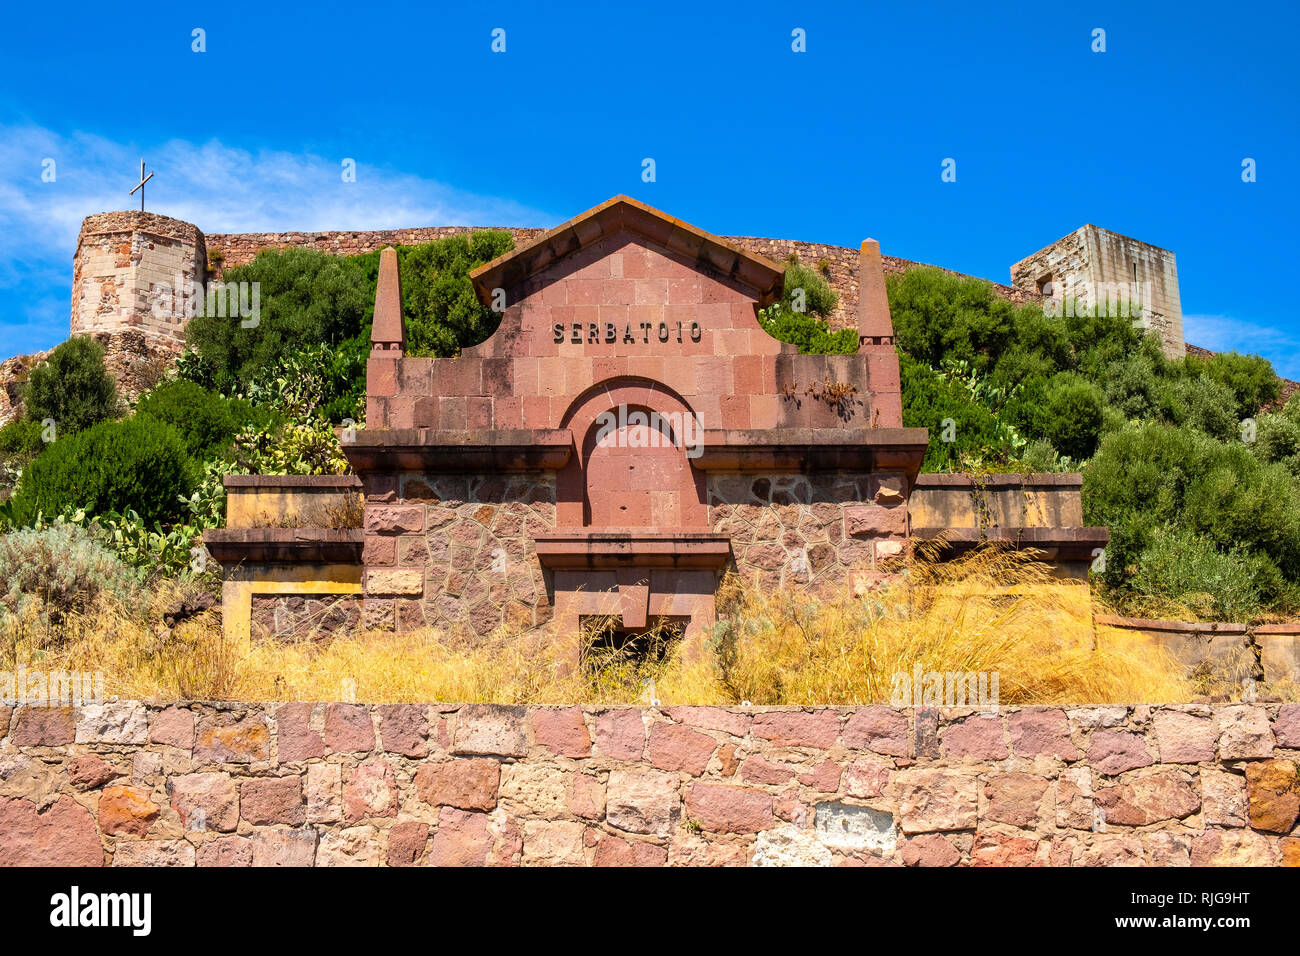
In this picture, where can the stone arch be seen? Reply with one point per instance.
(631, 466)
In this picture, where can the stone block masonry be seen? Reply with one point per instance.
(334, 784)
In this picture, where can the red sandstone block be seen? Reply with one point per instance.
(381, 377)
(508, 412)
(401, 412)
(453, 413)
(462, 839)
(617, 291)
(394, 519)
(479, 413)
(713, 375)
(652, 367)
(581, 292)
(673, 747)
(524, 374)
(820, 728)
(550, 378)
(711, 718)
(562, 731)
(880, 729)
(978, 737)
(379, 551)
(377, 411)
(173, 727)
(636, 265)
(725, 809)
(371, 791)
(205, 801)
(718, 317)
(1037, 731)
(764, 411)
(269, 800)
(620, 734)
(555, 294)
(687, 291)
(874, 521)
(649, 292)
(747, 374)
(615, 851)
(226, 851)
(232, 738)
(759, 770)
(414, 376)
(295, 740)
(43, 727)
(425, 412)
(404, 729)
(406, 843)
(735, 411)
(348, 729)
(468, 783)
(732, 342)
(1115, 751)
(537, 411)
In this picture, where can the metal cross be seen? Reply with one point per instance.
(140, 185)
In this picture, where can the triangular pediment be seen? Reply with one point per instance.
(711, 254)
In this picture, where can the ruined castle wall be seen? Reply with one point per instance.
(337, 784)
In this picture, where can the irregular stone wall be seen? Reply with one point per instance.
(306, 784)
(456, 552)
(827, 529)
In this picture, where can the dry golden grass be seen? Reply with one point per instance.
(993, 611)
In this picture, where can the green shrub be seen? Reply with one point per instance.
(306, 298)
(202, 417)
(21, 439)
(1072, 415)
(58, 569)
(441, 312)
(1187, 568)
(72, 387)
(1040, 456)
(940, 317)
(811, 334)
(1199, 402)
(1149, 476)
(138, 464)
(929, 398)
(1249, 378)
(1277, 440)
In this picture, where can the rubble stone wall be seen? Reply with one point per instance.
(326, 784)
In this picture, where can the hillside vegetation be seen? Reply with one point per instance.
(1200, 488)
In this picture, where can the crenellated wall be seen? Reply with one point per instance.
(334, 784)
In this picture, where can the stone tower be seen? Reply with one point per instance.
(1093, 265)
(132, 278)
(127, 265)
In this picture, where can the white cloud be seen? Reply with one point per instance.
(216, 187)
(1223, 333)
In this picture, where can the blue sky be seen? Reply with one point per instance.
(749, 138)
